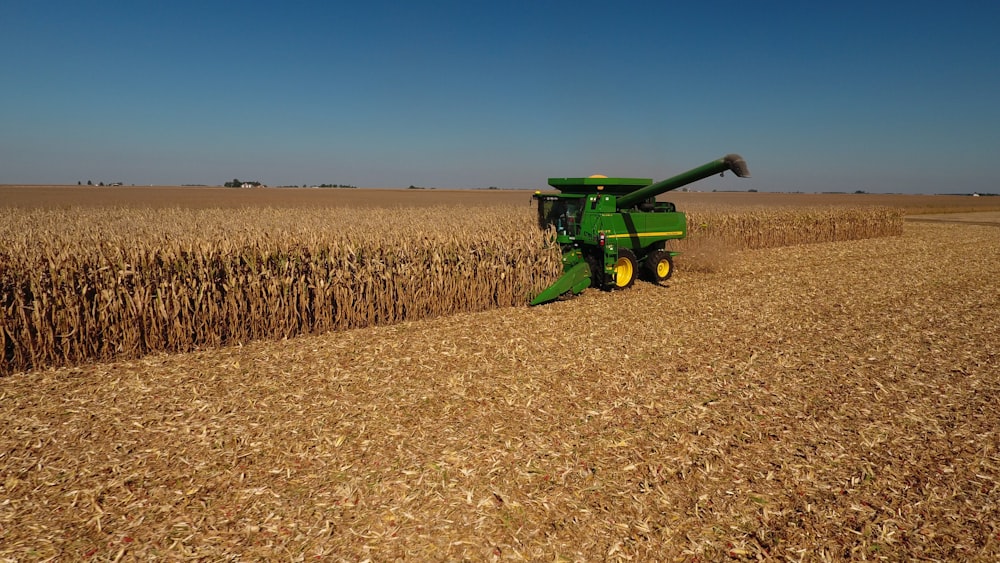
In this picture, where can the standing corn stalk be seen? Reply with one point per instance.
(80, 285)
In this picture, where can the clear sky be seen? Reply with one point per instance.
(882, 96)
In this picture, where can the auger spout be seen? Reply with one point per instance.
(733, 162)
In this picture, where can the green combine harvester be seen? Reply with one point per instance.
(610, 227)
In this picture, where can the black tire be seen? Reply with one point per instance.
(596, 263)
(660, 266)
(626, 269)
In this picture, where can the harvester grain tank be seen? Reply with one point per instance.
(609, 228)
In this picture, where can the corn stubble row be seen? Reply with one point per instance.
(95, 284)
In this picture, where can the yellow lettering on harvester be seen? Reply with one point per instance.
(630, 235)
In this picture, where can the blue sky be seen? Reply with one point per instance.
(876, 96)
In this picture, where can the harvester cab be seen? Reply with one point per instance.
(610, 229)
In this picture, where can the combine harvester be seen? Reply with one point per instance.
(608, 227)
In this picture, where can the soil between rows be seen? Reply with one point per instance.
(821, 401)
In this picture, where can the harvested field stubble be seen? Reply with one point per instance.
(817, 402)
(83, 284)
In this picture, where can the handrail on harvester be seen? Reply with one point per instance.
(732, 162)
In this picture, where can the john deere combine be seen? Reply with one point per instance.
(609, 228)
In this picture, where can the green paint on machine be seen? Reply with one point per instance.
(610, 229)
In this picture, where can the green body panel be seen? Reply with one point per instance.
(592, 226)
(595, 219)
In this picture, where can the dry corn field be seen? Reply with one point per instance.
(813, 402)
(96, 284)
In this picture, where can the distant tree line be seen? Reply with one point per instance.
(91, 183)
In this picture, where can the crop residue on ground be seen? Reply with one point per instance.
(820, 402)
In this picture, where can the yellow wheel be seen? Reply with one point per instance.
(660, 265)
(625, 269)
